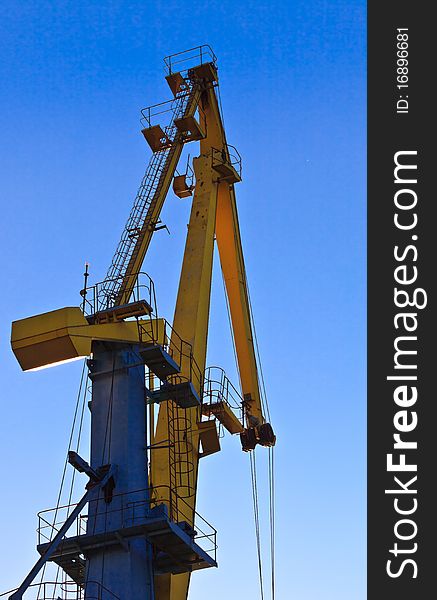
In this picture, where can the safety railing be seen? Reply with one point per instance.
(218, 389)
(163, 334)
(230, 156)
(142, 217)
(98, 297)
(65, 590)
(129, 509)
(48, 529)
(162, 113)
(193, 57)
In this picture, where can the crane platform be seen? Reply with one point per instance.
(119, 313)
(183, 393)
(159, 361)
(176, 550)
(223, 413)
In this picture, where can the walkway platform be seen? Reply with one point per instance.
(175, 548)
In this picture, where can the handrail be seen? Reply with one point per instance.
(198, 53)
(230, 156)
(219, 390)
(148, 498)
(179, 350)
(221, 385)
(50, 588)
(148, 113)
(97, 298)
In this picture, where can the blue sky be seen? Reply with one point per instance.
(292, 77)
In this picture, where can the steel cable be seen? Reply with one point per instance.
(253, 463)
(256, 518)
(64, 471)
(272, 517)
(271, 472)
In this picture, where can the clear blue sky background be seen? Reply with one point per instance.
(73, 78)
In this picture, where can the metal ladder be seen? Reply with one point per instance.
(141, 218)
(181, 469)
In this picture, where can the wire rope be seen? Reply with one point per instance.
(256, 519)
(64, 472)
(271, 478)
(272, 518)
(271, 472)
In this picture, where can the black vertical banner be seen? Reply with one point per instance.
(402, 358)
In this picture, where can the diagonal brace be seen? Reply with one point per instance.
(18, 594)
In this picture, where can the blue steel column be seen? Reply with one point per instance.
(118, 437)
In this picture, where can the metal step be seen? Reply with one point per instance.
(181, 188)
(176, 83)
(227, 172)
(206, 71)
(159, 361)
(191, 128)
(156, 138)
(74, 566)
(183, 394)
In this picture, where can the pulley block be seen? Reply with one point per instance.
(262, 435)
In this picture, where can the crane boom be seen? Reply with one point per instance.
(137, 235)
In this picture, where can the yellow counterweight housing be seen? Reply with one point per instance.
(64, 335)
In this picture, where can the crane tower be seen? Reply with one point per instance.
(155, 407)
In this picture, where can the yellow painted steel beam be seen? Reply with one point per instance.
(232, 264)
(223, 413)
(63, 335)
(234, 274)
(191, 323)
(146, 233)
(213, 212)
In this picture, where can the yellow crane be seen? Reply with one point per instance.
(127, 341)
